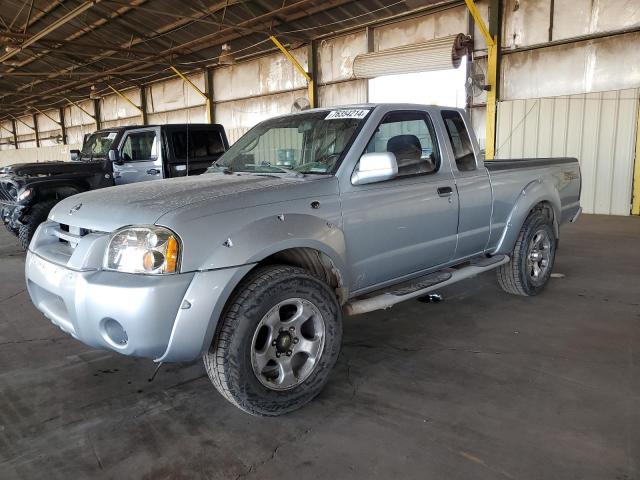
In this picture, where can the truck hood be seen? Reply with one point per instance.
(47, 169)
(145, 203)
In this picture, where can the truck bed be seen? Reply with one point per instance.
(520, 163)
(555, 178)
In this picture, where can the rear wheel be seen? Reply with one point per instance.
(277, 341)
(532, 258)
(37, 214)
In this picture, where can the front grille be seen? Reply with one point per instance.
(69, 235)
(8, 192)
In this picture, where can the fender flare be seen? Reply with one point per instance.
(258, 240)
(254, 242)
(534, 193)
(56, 189)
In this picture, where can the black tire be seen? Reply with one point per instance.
(11, 230)
(516, 277)
(37, 214)
(229, 359)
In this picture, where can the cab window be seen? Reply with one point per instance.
(140, 146)
(411, 138)
(460, 141)
(197, 144)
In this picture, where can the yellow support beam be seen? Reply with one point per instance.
(635, 207)
(24, 123)
(480, 22)
(492, 75)
(126, 99)
(6, 130)
(207, 100)
(49, 117)
(80, 108)
(297, 66)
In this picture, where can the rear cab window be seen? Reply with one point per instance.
(194, 144)
(460, 141)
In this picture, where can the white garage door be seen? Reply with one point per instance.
(597, 128)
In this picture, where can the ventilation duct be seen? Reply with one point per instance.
(439, 54)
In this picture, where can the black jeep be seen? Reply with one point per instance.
(108, 157)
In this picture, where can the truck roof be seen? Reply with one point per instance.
(391, 105)
(170, 125)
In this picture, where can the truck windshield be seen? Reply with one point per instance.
(97, 145)
(309, 143)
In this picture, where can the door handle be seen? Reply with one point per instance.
(445, 191)
(153, 171)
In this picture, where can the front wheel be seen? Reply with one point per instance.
(37, 214)
(532, 258)
(10, 229)
(277, 341)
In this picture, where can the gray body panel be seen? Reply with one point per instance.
(375, 235)
(140, 170)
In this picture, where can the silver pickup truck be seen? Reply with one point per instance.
(307, 218)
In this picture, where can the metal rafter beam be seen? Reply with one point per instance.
(59, 42)
(50, 28)
(121, 11)
(287, 13)
(291, 12)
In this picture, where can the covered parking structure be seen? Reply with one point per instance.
(482, 385)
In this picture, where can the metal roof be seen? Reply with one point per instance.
(52, 49)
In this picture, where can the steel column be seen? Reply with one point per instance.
(96, 110)
(143, 105)
(491, 39)
(313, 72)
(208, 90)
(63, 127)
(15, 133)
(35, 129)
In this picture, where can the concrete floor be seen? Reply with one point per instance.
(482, 386)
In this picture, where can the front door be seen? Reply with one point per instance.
(141, 156)
(408, 224)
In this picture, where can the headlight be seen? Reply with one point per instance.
(24, 194)
(151, 250)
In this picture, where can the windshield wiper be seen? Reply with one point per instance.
(284, 170)
(225, 170)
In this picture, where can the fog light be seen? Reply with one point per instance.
(114, 333)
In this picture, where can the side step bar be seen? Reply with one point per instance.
(423, 286)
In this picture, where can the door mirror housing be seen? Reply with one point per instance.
(74, 155)
(375, 167)
(114, 156)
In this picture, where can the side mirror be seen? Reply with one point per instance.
(114, 156)
(74, 155)
(375, 167)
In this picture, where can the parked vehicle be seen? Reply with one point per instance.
(253, 265)
(112, 156)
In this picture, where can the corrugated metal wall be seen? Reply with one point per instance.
(597, 128)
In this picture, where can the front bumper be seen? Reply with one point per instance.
(167, 317)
